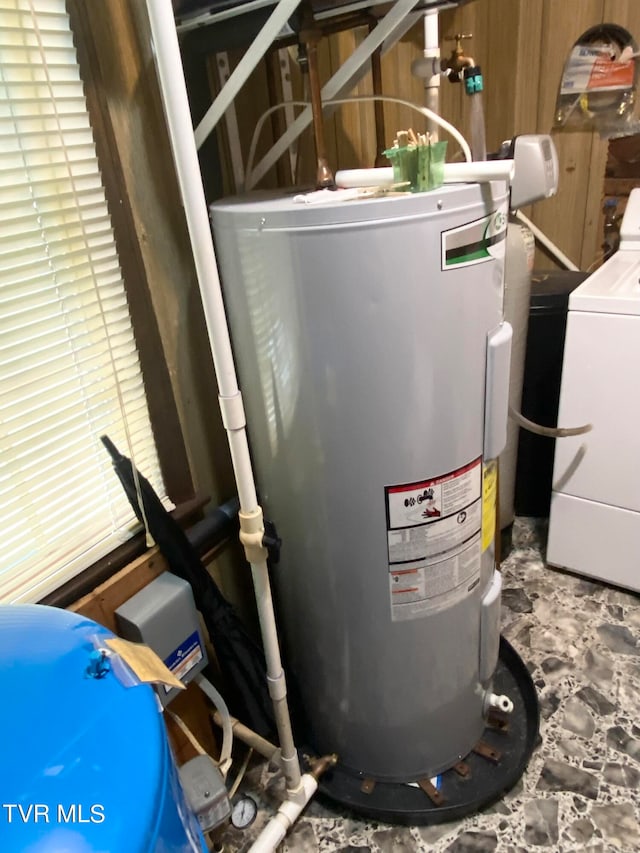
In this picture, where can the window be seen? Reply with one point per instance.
(69, 369)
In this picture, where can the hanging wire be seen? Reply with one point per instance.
(445, 125)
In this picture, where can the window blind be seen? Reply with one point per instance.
(69, 369)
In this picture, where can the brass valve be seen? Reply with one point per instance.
(457, 61)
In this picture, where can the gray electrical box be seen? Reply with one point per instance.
(205, 791)
(163, 615)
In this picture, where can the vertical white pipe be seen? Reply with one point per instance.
(431, 36)
(432, 55)
(275, 675)
(174, 94)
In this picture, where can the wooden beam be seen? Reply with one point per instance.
(564, 217)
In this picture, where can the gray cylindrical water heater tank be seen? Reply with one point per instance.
(371, 356)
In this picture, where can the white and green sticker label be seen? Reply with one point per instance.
(475, 242)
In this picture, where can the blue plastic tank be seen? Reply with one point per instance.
(85, 765)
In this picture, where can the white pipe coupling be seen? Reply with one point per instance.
(277, 686)
(427, 67)
(232, 409)
(252, 535)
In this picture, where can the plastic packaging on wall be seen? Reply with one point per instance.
(598, 85)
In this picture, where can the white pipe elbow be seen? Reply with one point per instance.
(500, 702)
(274, 832)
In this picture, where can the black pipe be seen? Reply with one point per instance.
(217, 525)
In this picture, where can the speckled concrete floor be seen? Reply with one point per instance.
(581, 792)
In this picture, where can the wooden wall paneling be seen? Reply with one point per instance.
(591, 248)
(495, 47)
(399, 82)
(355, 124)
(528, 66)
(332, 119)
(251, 102)
(306, 159)
(454, 103)
(527, 70)
(277, 118)
(214, 63)
(626, 13)
(563, 218)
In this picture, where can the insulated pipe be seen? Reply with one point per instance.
(215, 527)
(259, 744)
(227, 731)
(324, 175)
(176, 104)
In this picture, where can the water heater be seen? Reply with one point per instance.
(374, 365)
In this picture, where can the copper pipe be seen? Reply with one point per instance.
(378, 106)
(324, 175)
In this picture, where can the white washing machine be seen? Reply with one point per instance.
(594, 525)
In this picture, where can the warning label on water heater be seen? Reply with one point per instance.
(434, 541)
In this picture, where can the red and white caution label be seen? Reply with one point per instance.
(434, 542)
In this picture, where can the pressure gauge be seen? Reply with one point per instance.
(244, 812)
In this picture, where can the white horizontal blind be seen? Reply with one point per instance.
(69, 369)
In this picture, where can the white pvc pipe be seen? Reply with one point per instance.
(227, 731)
(274, 832)
(275, 676)
(479, 171)
(243, 733)
(551, 247)
(432, 55)
(174, 94)
(173, 87)
(259, 46)
(454, 173)
(351, 178)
